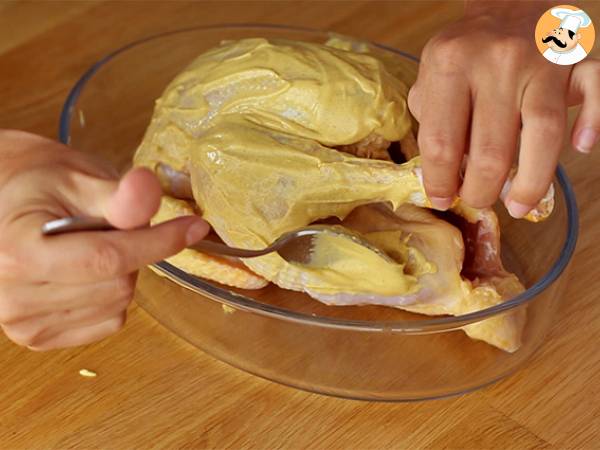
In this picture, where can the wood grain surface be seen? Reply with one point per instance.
(154, 390)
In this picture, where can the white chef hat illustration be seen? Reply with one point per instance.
(570, 19)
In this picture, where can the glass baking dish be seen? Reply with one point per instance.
(361, 352)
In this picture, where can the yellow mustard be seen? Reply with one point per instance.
(348, 263)
(255, 123)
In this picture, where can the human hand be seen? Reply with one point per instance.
(74, 289)
(484, 89)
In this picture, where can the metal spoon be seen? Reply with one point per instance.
(295, 246)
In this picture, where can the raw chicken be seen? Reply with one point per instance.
(447, 290)
(270, 136)
(224, 270)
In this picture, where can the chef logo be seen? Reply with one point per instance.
(565, 35)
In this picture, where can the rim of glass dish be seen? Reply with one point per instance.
(224, 295)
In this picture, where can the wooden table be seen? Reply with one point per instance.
(154, 390)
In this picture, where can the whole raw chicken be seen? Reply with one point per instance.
(263, 136)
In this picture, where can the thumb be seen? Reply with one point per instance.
(127, 204)
(135, 201)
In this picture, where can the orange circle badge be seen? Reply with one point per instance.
(565, 35)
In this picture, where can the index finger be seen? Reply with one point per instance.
(445, 113)
(84, 257)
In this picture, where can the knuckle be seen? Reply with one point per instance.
(437, 148)
(447, 50)
(549, 115)
(590, 67)
(490, 164)
(547, 120)
(125, 288)
(106, 259)
(594, 68)
(514, 45)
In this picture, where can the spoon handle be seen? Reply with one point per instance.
(75, 223)
(80, 223)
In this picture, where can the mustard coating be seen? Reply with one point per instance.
(255, 122)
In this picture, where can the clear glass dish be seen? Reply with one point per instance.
(366, 352)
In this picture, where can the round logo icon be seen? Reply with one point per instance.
(565, 35)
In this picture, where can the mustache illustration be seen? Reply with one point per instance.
(556, 41)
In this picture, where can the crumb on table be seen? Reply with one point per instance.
(228, 309)
(87, 373)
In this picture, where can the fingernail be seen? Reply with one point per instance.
(196, 232)
(441, 203)
(586, 139)
(517, 210)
